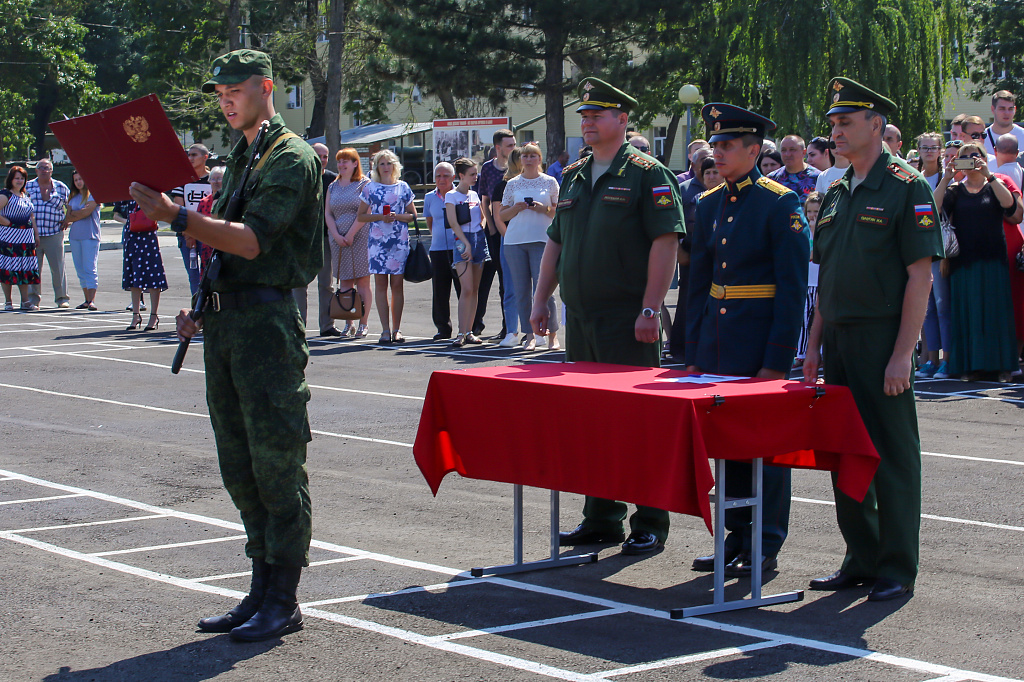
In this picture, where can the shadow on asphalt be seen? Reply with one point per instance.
(192, 662)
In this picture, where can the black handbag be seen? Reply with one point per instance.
(417, 265)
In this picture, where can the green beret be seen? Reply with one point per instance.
(845, 96)
(235, 67)
(596, 94)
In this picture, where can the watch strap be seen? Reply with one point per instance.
(180, 221)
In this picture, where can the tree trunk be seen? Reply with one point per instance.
(670, 139)
(235, 25)
(447, 102)
(335, 79)
(554, 104)
(42, 110)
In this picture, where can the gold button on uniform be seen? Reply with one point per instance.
(723, 266)
(723, 241)
(732, 198)
(729, 220)
(722, 310)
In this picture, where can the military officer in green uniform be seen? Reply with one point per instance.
(254, 340)
(876, 237)
(748, 283)
(612, 250)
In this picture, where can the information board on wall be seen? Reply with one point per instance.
(469, 137)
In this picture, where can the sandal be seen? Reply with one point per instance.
(530, 344)
(84, 306)
(473, 338)
(398, 337)
(92, 306)
(361, 332)
(553, 343)
(385, 337)
(8, 306)
(459, 341)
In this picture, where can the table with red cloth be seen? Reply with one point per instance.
(631, 433)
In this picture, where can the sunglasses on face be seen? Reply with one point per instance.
(954, 143)
(930, 149)
(643, 149)
(977, 136)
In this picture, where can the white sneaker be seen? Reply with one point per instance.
(510, 341)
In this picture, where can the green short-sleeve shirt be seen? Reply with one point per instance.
(866, 239)
(606, 229)
(284, 211)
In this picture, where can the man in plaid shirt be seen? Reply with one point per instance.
(50, 198)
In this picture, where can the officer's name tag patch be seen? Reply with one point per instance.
(872, 219)
(662, 195)
(822, 222)
(565, 203)
(615, 198)
(925, 215)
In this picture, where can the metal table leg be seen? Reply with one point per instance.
(719, 604)
(520, 566)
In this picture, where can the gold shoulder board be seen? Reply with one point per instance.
(770, 184)
(710, 191)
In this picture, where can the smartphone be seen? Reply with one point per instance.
(963, 164)
(528, 200)
(387, 208)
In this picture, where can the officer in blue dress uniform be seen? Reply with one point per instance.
(749, 257)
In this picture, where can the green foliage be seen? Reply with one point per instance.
(1000, 44)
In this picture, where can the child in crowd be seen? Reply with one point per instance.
(811, 207)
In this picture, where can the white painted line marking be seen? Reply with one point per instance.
(692, 658)
(724, 627)
(528, 625)
(932, 517)
(87, 523)
(967, 394)
(948, 678)
(190, 414)
(41, 499)
(192, 543)
(407, 590)
(975, 459)
(246, 574)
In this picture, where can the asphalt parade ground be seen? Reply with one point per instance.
(116, 535)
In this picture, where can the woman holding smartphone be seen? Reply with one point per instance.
(528, 207)
(463, 215)
(387, 204)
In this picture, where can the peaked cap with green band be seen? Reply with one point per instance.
(845, 96)
(235, 67)
(596, 94)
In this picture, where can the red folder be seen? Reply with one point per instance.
(132, 142)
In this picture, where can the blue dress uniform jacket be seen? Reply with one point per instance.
(749, 233)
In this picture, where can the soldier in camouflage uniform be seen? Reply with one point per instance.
(254, 348)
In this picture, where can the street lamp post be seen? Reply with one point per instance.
(688, 95)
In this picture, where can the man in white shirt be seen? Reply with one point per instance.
(1007, 148)
(1004, 108)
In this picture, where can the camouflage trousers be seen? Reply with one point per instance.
(257, 393)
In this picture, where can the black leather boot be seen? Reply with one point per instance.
(249, 606)
(279, 614)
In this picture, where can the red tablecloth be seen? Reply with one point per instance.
(617, 432)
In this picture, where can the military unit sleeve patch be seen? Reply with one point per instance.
(795, 223)
(925, 215)
(662, 196)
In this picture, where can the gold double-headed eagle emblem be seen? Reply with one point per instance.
(137, 128)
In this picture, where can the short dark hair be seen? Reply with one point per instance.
(706, 164)
(822, 145)
(750, 138)
(870, 115)
(500, 135)
(773, 155)
(463, 164)
(1004, 94)
(10, 177)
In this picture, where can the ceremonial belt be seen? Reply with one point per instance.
(743, 291)
(236, 300)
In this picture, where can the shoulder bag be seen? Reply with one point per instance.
(346, 304)
(949, 243)
(417, 265)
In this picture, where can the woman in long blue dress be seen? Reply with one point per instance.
(143, 268)
(18, 238)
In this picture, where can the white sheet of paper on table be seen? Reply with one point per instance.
(701, 379)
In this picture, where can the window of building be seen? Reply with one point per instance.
(417, 96)
(524, 136)
(658, 143)
(295, 97)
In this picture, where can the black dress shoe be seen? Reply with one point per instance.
(840, 580)
(641, 543)
(707, 563)
(742, 565)
(581, 535)
(331, 331)
(886, 589)
(440, 336)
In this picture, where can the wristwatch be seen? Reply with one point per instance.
(180, 221)
(991, 178)
(649, 313)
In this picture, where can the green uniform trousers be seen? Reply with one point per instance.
(257, 394)
(882, 533)
(611, 338)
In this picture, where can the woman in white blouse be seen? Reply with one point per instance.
(528, 208)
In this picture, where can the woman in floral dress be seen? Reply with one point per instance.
(387, 205)
(18, 238)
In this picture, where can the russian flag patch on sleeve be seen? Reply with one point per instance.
(662, 195)
(925, 215)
